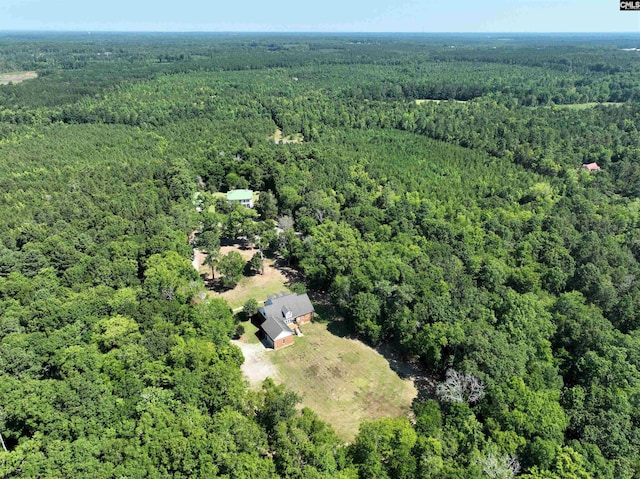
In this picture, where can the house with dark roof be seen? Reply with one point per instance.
(283, 315)
(277, 333)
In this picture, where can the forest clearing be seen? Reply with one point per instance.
(278, 138)
(420, 101)
(256, 285)
(342, 379)
(585, 106)
(16, 77)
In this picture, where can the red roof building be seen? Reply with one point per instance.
(591, 166)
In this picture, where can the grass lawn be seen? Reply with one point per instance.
(584, 106)
(249, 336)
(16, 77)
(257, 286)
(344, 381)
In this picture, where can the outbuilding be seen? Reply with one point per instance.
(243, 197)
(591, 166)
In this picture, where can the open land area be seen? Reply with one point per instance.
(585, 106)
(342, 379)
(16, 77)
(420, 101)
(462, 211)
(257, 286)
(279, 138)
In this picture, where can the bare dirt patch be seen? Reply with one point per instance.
(419, 101)
(246, 253)
(279, 139)
(257, 365)
(198, 261)
(16, 77)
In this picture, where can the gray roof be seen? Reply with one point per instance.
(299, 305)
(275, 328)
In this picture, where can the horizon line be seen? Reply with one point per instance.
(327, 32)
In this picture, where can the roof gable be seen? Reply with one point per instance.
(275, 328)
(298, 305)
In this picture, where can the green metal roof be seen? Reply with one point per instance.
(238, 195)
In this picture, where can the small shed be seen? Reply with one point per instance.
(591, 166)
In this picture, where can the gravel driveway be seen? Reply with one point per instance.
(257, 366)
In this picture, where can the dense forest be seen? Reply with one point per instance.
(437, 199)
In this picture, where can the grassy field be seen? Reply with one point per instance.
(249, 336)
(257, 286)
(427, 100)
(280, 139)
(584, 106)
(16, 77)
(344, 381)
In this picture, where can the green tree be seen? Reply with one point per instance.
(266, 206)
(211, 260)
(277, 405)
(250, 307)
(231, 266)
(383, 449)
(166, 275)
(257, 263)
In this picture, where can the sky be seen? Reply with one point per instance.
(319, 16)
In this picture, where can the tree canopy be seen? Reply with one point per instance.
(429, 187)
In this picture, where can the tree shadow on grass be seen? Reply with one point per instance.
(336, 325)
(409, 369)
(217, 286)
(248, 271)
(340, 328)
(406, 368)
(292, 274)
